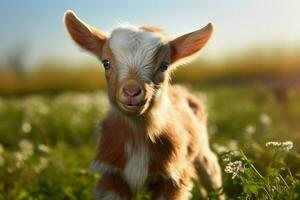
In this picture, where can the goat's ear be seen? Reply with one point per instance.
(190, 43)
(86, 37)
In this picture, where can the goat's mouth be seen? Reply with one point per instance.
(131, 108)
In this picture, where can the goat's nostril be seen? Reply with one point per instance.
(132, 91)
(137, 92)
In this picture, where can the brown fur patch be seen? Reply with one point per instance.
(166, 189)
(165, 151)
(112, 143)
(116, 184)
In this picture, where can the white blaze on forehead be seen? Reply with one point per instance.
(134, 48)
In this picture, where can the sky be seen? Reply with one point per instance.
(38, 25)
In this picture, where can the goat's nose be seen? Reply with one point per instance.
(132, 90)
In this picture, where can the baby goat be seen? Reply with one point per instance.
(154, 136)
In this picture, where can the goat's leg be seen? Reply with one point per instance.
(113, 187)
(209, 171)
(166, 189)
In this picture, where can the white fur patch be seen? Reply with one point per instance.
(134, 48)
(136, 170)
(102, 167)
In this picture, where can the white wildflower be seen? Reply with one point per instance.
(256, 147)
(34, 106)
(220, 148)
(10, 170)
(20, 159)
(43, 148)
(83, 171)
(26, 147)
(265, 119)
(234, 168)
(226, 157)
(233, 145)
(82, 102)
(26, 127)
(96, 176)
(250, 129)
(286, 146)
(18, 156)
(43, 163)
(273, 144)
(43, 109)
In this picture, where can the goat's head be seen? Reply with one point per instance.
(137, 61)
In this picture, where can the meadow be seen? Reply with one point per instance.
(52, 97)
(47, 142)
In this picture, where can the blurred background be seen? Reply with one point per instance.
(253, 41)
(52, 94)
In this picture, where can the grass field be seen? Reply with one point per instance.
(48, 141)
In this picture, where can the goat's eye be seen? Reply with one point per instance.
(106, 64)
(163, 66)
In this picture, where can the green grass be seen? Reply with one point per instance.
(48, 141)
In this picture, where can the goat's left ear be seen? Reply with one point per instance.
(190, 43)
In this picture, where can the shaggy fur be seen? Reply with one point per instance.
(155, 139)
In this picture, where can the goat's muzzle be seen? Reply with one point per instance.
(131, 97)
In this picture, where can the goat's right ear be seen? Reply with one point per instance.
(86, 37)
(189, 44)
